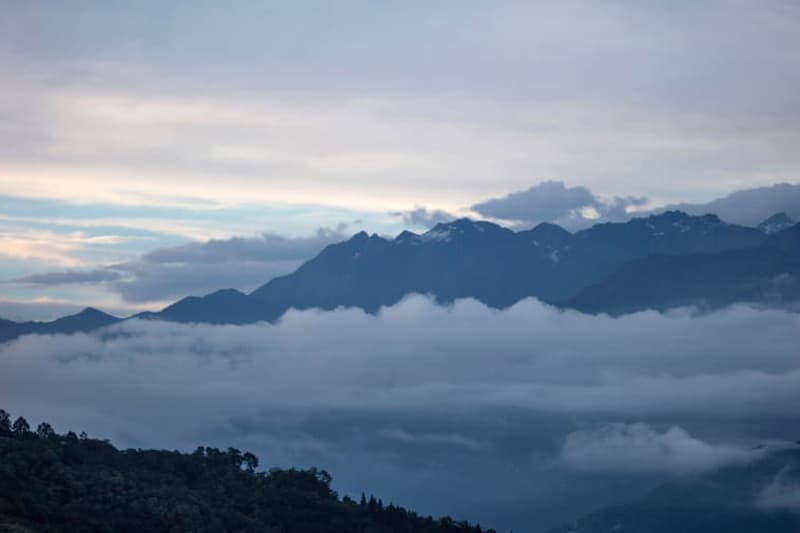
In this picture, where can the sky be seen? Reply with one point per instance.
(127, 128)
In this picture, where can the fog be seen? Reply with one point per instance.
(498, 415)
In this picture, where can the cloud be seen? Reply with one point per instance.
(71, 276)
(47, 246)
(529, 356)
(400, 403)
(553, 201)
(548, 200)
(433, 439)
(434, 113)
(639, 447)
(423, 217)
(265, 247)
(199, 267)
(239, 262)
(782, 493)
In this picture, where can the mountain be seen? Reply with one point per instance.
(767, 274)
(87, 320)
(763, 496)
(63, 483)
(484, 261)
(775, 223)
(469, 259)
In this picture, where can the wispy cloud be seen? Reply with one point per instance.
(641, 448)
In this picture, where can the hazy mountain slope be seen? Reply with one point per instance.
(87, 320)
(768, 274)
(602, 249)
(775, 223)
(749, 206)
(742, 499)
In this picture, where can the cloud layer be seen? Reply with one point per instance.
(539, 405)
(528, 398)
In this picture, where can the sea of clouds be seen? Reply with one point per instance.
(481, 413)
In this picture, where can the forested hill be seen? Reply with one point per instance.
(70, 483)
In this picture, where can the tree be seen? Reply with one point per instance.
(21, 427)
(5, 422)
(250, 461)
(55, 482)
(45, 431)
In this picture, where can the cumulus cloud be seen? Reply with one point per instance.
(548, 200)
(781, 493)
(639, 447)
(553, 201)
(423, 217)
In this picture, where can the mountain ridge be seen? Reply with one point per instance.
(498, 267)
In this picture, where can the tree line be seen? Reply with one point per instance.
(72, 483)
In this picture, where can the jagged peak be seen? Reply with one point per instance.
(92, 311)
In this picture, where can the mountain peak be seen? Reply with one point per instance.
(92, 312)
(461, 226)
(775, 223)
(550, 229)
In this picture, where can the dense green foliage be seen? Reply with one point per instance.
(52, 482)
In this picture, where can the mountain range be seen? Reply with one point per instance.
(656, 262)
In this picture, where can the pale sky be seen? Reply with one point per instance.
(127, 127)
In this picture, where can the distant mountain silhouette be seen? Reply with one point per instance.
(749, 498)
(465, 259)
(87, 320)
(768, 274)
(657, 262)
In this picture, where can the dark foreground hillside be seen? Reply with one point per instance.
(67, 483)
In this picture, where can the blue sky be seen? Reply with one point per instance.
(130, 127)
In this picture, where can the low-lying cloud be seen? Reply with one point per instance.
(421, 398)
(639, 447)
(419, 355)
(781, 493)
